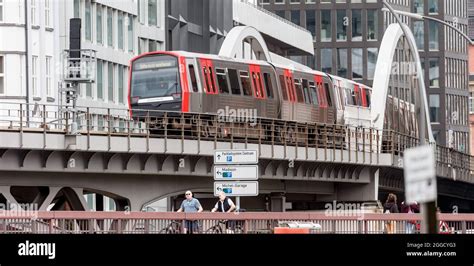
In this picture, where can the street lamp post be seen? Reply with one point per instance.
(422, 17)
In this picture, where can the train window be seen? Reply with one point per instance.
(299, 91)
(368, 96)
(261, 93)
(206, 78)
(234, 82)
(290, 89)
(328, 94)
(245, 81)
(307, 96)
(349, 97)
(211, 76)
(192, 74)
(322, 98)
(358, 95)
(222, 80)
(256, 84)
(283, 88)
(314, 94)
(268, 85)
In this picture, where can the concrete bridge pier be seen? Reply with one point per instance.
(360, 192)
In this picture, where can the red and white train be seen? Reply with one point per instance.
(203, 83)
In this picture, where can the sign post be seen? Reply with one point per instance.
(420, 183)
(232, 171)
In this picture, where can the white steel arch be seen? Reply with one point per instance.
(234, 44)
(383, 70)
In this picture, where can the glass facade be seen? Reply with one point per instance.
(326, 25)
(356, 25)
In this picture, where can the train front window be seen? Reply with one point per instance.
(155, 76)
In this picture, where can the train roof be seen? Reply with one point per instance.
(349, 81)
(281, 62)
(288, 64)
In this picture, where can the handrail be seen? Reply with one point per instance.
(316, 215)
(168, 124)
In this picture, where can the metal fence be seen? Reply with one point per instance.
(221, 223)
(208, 127)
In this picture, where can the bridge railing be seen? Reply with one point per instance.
(222, 223)
(234, 129)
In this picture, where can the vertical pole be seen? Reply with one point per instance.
(237, 202)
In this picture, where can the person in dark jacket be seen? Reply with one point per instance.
(225, 204)
(390, 206)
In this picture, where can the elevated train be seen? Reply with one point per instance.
(207, 84)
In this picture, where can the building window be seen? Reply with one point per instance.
(311, 22)
(434, 108)
(49, 82)
(130, 33)
(372, 25)
(77, 8)
(356, 25)
(326, 25)
(433, 6)
(142, 45)
(419, 6)
(2, 75)
(100, 80)
(295, 17)
(280, 13)
(34, 75)
(419, 31)
(1, 10)
(372, 54)
(152, 12)
(99, 24)
(47, 13)
(110, 83)
(341, 60)
(433, 31)
(434, 72)
(471, 101)
(357, 63)
(88, 21)
(120, 84)
(110, 35)
(326, 60)
(341, 25)
(152, 46)
(33, 13)
(120, 31)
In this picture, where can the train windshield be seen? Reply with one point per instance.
(155, 76)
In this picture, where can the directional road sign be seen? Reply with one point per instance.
(244, 188)
(420, 174)
(236, 172)
(235, 157)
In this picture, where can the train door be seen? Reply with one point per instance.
(195, 87)
(323, 104)
(210, 90)
(259, 88)
(290, 86)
